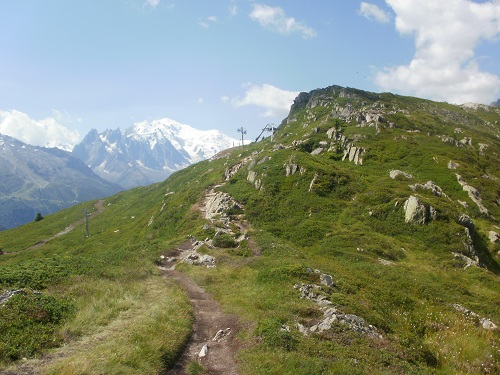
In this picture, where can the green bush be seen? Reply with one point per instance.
(224, 241)
(28, 323)
(275, 335)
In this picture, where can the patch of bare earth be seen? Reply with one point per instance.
(209, 320)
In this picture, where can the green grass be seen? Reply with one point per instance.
(115, 302)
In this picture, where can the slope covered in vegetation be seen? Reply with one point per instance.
(369, 247)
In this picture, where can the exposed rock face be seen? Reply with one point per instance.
(473, 194)
(494, 237)
(231, 171)
(332, 133)
(354, 154)
(317, 151)
(453, 165)
(467, 262)
(252, 178)
(466, 221)
(417, 212)
(430, 185)
(300, 101)
(484, 322)
(8, 294)
(395, 173)
(331, 315)
(290, 168)
(466, 141)
(218, 203)
(221, 333)
(482, 147)
(313, 293)
(326, 279)
(386, 262)
(203, 352)
(313, 181)
(197, 259)
(470, 250)
(450, 140)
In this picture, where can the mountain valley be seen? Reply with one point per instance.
(45, 180)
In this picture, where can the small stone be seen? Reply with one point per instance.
(301, 328)
(488, 324)
(203, 352)
(221, 334)
(494, 237)
(326, 279)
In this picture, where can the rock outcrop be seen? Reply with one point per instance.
(430, 185)
(331, 315)
(231, 171)
(252, 177)
(453, 165)
(469, 255)
(483, 322)
(217, 204)
(473, 194)
(493, 236)
(354, 154)
(197, 259)
(396, 172)
(8, 294)
(417, 212)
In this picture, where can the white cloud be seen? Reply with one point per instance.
(446, 35)
(153, 3)
(274, 100)
(275, 19)
(47, 132)
(207, 21)
(373, 12)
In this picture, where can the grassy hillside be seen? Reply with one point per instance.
(307, 208)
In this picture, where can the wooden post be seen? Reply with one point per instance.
(86, 213)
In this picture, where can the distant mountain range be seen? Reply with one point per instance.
(38, 179)
(148, 152)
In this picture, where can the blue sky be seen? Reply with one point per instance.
(69, 66)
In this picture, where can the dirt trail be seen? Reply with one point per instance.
(209, 319)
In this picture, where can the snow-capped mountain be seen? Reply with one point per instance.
(148, 152)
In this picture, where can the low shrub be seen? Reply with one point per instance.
(224, 241)
(275, 334)
(29, 323)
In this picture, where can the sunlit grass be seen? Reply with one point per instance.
(139, 328)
